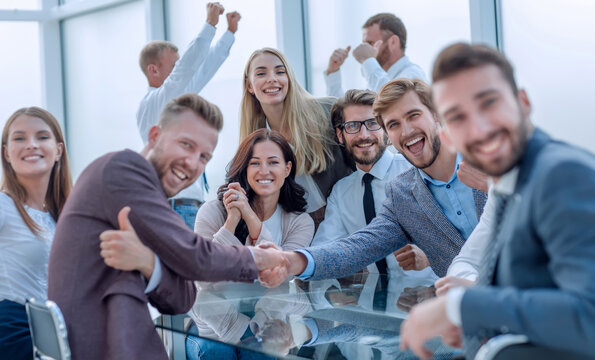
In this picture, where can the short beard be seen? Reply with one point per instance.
(436, 144)
(367, 161)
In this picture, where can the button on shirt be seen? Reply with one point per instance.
(455, 199)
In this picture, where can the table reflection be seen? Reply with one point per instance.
(357, 317)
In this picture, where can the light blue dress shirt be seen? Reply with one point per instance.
(455, 199)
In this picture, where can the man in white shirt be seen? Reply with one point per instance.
(364, 140)
(381, 53)
(170, 76)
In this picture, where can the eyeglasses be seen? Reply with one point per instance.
(353, 127)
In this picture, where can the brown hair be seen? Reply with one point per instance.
(151, 53)
(291, 197)
(351, 97)
(463, 56)
(201, 107)
(394, 90)
(388, 22)
(60, 182)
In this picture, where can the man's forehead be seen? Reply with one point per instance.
(467, 84)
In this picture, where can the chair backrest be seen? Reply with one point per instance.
(48, 330)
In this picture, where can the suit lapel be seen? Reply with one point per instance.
(430, 207)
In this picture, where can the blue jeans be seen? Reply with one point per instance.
(15, 338)
(188, 213)
(205, 349)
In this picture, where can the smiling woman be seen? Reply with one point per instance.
(36, 181)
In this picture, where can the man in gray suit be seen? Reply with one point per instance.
(538, 275)
(427, 205)
(105, 309)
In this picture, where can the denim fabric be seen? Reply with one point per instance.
(188, 213)
(15, 338)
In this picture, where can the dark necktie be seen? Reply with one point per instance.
(488, 266)
(370, 213)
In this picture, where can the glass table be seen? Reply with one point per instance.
(356, 317)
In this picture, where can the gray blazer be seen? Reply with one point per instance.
(410, 214)
(545, 277)
(105, 309)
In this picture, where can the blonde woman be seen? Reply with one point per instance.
(35, 184)
(273, 98)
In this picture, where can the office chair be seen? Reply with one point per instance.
(518, 347)
(48, 330)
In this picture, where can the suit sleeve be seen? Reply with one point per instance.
(563, 210)
(173, 295)
(131, 181)
(377, 240)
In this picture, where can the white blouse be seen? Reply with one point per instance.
(24, 256)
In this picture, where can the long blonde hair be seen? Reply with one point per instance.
(60, 179)
(303, 116)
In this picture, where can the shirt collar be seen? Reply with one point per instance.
(380, 168)
(398, 66)
(507, 183)
(432, 181)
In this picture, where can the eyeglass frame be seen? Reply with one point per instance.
(362, 122)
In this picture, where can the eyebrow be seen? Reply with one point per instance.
(477, 96)
(264, 67)
(37, 132)
(270, 157)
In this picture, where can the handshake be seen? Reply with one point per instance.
(275, 265)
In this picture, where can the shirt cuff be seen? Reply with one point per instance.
(311, 324)
(370, 65)
(454, 297)
(309, 271)
(227, 38)
(208, 29)
(155, 277)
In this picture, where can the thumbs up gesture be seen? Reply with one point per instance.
(122, 249)
(365, 51)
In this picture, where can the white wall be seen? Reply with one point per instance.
(551, 44)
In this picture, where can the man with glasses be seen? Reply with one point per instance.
(363, 138)
(428, 205)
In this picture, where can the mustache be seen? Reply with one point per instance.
(364, 141)
(487, 138)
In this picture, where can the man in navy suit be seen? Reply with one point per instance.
(542, 280)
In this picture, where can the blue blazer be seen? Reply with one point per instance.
(544, 284)
(410, 214)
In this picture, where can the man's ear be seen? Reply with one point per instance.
(525, 102)
(154, 133)
(339, 133)
(394, 42)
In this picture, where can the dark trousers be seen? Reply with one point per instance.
(15, 338)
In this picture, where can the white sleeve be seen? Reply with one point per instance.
(454, 298)
(332, 227)
(333, 84)
(215, 58)
(466, 263)
(152, 104)
(374, 74)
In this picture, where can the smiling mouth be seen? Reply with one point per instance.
(272, 91)
(490, 146)
(415, 145)
(32, 157)
(267, 181)
(180, 175)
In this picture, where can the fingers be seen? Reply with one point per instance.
(348, 49)
(123, 220)
(403, 249)
(378, 44)
(409, 254)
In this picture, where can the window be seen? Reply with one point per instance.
(550, 44)
(103, 81)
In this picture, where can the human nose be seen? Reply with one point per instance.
(32, 143)
(480, 127)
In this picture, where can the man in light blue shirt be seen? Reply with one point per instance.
(411, 213)
(381, 53)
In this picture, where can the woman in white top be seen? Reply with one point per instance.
(35, 184)
(261, 200)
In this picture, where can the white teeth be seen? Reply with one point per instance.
(272, 90)
(179, 174)
(32, 157)
(364, 145)
(264, 181)
(491, 146)
(414, 141)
